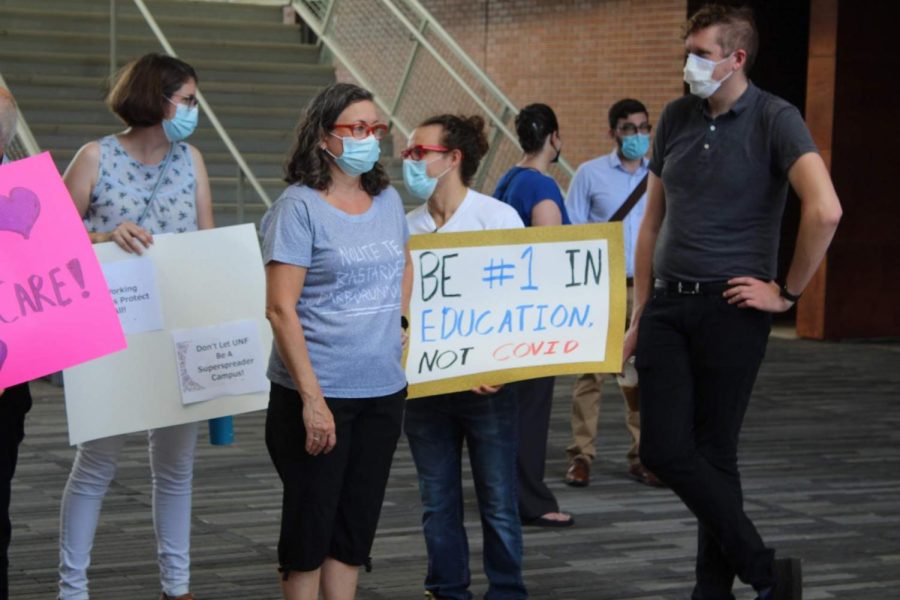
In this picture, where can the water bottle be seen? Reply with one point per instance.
(221, 431)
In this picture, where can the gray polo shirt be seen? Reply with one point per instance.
(726, 181)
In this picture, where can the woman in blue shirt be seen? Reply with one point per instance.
(538, 200)
(527, 187)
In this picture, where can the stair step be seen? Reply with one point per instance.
(218, 164)
(189, 48)
(97, 65)
(248, 12)
(205, 140)
(40, 86)
(94, 112)
(97, 21)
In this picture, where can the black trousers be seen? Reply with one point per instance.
(331, 502)
(698, 357)
(14, 403)
(535, 398)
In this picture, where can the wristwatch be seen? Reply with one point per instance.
(404, 322)
(784, 293)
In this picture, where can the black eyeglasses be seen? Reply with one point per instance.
(631, 128)
(189, 101)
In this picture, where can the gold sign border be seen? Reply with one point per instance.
(612, 232)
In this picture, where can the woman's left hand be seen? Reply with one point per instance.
(404, 337)
(319, 424)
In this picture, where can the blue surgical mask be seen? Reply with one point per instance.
(182, 125)
(359, 156)
(419, 183)
(698, 74)
(635, 146)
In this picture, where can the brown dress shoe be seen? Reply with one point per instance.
(579, 473)
(188, 596)
(639, 473)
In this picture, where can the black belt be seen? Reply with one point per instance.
(691, 288)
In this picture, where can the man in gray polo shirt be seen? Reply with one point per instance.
(705, 266)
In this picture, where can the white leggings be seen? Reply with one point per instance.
(171, 465)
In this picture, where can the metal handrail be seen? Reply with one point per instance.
(207, 109)
(23, 131)
(320, 27)
(321, 31)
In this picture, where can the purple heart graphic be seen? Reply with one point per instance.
(2, 354)
(19, 211)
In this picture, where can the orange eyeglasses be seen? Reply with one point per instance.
(361, 130)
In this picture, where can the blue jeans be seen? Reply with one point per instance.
(436, 427)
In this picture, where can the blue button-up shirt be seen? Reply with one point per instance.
(599, 188)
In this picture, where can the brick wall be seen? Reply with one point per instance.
(578, 56)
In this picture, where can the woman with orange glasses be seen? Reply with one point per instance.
(337, 276)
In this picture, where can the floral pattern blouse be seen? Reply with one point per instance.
(124, 187)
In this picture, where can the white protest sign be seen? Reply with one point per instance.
(493, 307)
(205, 278)
(220, 360)
(132, 285)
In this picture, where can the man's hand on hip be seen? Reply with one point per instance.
(749, 292)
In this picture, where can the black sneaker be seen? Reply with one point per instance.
(788, 581)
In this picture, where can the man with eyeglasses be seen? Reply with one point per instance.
(611, 188)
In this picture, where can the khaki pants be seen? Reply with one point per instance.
(586, 401)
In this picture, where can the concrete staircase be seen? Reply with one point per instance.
(255, 71)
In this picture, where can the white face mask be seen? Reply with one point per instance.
(698, 73)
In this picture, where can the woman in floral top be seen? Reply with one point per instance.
(129, 186)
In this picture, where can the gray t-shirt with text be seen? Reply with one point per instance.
(350, 304)
(725, 181)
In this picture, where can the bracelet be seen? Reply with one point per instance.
(784, 293)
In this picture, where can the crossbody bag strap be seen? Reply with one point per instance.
(162, 175)
(632, 199)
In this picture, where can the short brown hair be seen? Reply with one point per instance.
(465, 134)
(737, 29)
(141, 88)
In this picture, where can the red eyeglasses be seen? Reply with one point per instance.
(360, 130)
(419, 151)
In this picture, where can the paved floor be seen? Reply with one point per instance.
(820, 460)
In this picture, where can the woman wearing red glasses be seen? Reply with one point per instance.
(337, 276)
(438, 167)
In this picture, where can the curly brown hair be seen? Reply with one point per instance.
(465, 134)
(309, 164)
(738, 29)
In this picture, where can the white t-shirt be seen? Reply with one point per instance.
(476, 213)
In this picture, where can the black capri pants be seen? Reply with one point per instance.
(331, 502)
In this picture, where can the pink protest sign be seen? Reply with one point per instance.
(55, 307)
